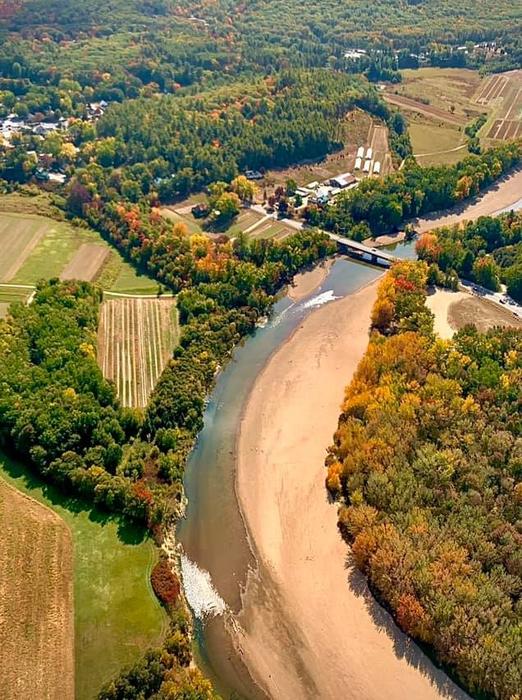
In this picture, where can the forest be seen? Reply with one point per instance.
(120, 459)
(426, 467)
(487, 251)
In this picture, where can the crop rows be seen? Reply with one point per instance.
(135, 340)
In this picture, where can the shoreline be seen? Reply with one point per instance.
(288, 612)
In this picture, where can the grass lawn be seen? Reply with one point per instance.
(117, 616)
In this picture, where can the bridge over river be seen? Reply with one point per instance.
(376, 256)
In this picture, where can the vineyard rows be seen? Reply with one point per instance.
(136, 338)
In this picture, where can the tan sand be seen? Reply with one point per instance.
(305, 282)
(439, 303)
(309, 627)
(500, 195)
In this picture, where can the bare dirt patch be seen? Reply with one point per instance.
(36, 601)
(86, 263)
(482, 313)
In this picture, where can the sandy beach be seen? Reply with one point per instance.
(305, 282)
(309, 627)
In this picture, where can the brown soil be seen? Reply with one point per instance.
(86, 262)
(482, 313)
(36, 601)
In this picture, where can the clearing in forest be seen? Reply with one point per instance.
(36, 600)
(136, 338)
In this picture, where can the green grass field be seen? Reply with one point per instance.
(57, 245)
(438, 140)
(117, 616)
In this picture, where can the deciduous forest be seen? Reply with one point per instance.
(426, 467)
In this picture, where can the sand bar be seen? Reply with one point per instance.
(309, 627)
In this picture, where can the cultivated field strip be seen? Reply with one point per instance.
(36, 601)
(136, 338)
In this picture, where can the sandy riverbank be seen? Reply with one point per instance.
(305, 282)
(498, 196)
(309, 627)
(439, 303)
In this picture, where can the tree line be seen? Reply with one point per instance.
(426, 468)
(487, 251)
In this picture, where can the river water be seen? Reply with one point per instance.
(216, 554)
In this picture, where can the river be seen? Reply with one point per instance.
(217, 555)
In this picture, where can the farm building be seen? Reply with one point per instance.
(377, 167)
(360, 152)
(369, 152)
(367, 166)
(321, 196)
(358, 163)
(342, 181)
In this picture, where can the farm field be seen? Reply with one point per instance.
(136, 337)
(435, 143)
(86, 262)
(409, 104)
(36, 600)
(38, 247)
(443, 89)
(116, 615)
(503, 94)
(9, 294)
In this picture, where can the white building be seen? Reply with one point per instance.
(358, 163)
(367, 166)
(369, 153)
(360, 152)
(376, 167)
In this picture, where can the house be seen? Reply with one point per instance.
(342, 181)
(376, 167)
(321, 196)
(358, 163)
(369, 153)
(360, 152)
(367, 166)
(253, 175)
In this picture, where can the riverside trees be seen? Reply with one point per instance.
(488, 250)
(385, 203)
(426, 466)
